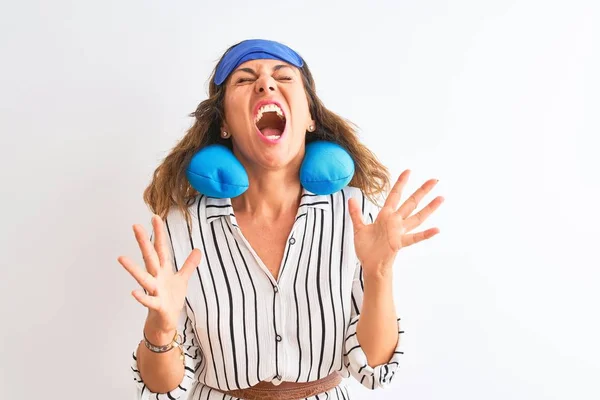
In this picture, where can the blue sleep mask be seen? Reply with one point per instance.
(215, 171)
(255, 49)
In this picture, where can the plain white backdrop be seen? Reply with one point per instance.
(497, 99)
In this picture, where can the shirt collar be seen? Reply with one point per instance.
(221, 207)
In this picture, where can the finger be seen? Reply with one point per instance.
(148, 252)
(409, 240)
(417, 219)
(160, 240)
(191, 263)
(413, 201)
(393, 198)
(142, 277)
(355, 214)
(148, 301)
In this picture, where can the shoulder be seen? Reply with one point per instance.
(177, 214)
(178, 220)
(368, 208)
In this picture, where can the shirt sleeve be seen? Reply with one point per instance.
(192, 352)
(371, 377)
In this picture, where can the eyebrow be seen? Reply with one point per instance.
(251, 71)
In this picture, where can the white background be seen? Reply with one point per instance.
(497, 99)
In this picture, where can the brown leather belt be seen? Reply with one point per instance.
(287, 390)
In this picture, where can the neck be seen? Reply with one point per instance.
(270, 195)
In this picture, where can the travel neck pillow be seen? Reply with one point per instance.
(215, 171)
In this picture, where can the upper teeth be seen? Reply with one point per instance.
(268, 108)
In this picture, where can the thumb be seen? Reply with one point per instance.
(355, 214)
(190, 264)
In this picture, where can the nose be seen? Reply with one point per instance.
(265, 85)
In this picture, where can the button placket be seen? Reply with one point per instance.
(276, 327)
(280, 323)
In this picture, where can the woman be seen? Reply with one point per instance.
(278, 292)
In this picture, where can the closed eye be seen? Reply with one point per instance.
(247, 79)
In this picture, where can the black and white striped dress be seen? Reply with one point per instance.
(241, 326)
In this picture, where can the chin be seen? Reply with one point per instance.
(278, 159)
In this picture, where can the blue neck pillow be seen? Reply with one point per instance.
(215, 171)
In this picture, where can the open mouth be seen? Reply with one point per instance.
(270, 121)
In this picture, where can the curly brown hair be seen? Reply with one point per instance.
(170, 186)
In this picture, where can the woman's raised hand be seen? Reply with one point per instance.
(165, 288)
(378, 243)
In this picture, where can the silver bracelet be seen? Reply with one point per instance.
(163, 349)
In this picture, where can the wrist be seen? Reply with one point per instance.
(378, 275)
(158, 337)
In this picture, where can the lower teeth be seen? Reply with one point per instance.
(274, 137)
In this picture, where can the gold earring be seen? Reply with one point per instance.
(225, 135)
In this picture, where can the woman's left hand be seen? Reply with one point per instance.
(377, 244)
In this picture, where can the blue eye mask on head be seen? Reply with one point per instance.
(215, 171)
(255, 49)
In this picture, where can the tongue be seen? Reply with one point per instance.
(270, 132)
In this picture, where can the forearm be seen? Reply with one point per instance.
(377, 330)
(161, 372)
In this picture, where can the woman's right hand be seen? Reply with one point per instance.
(166, 289)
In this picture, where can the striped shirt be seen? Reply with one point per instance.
(241, 326)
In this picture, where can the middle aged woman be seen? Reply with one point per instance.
(278, 292)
